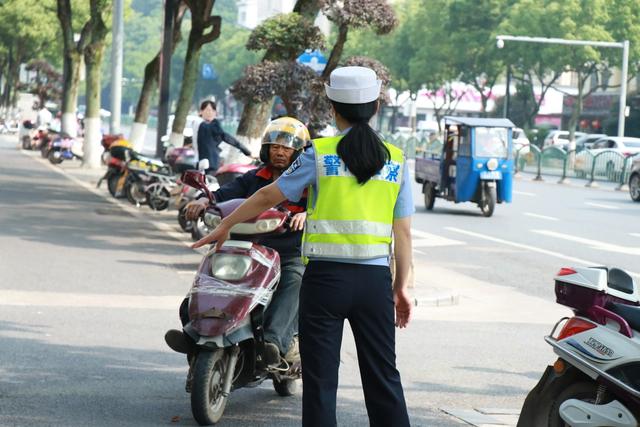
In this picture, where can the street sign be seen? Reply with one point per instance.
(313, 59)
(208, 72)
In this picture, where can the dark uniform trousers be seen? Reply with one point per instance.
(332, 292)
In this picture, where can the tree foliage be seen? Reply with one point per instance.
(47, 84)
(285, 36)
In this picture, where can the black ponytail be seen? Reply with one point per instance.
(361, 148)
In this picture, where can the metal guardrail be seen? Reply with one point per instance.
(606, 165)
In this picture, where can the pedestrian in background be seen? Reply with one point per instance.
(360, 196)
(210, 135)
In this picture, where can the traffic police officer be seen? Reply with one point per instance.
(360, 196)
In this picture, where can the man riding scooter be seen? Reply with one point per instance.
(283, 141)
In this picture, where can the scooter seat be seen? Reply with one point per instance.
(630, 313)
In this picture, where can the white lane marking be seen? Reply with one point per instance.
(524, 193)
(599, 205)
(418, 251)
(421, 239)
(531, 248)
(533, 215)
(187, 272)
(634, 234)
(79, 300)
(595, 244)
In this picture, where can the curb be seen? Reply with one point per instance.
(443, 300)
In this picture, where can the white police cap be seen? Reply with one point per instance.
(353, 85)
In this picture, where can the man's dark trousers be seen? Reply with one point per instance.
(332, 292)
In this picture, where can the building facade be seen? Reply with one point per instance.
(252, 12)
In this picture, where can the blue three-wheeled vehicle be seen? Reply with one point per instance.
(475, 165)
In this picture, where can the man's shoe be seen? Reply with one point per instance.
(271, 354)
(293, 353)
(178, 341)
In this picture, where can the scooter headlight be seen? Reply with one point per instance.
(492, 164)
(259, 227)
(211, 220)
(229, 266)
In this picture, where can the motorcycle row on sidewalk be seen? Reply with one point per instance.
(595, 380)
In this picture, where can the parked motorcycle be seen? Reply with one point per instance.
(120, 152)
(61, 147)
(225, 306)
(106, 142)
(596, 379)
(26, 134)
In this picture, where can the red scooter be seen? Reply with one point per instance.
(223, 312)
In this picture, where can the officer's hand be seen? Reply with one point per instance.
(297, 222)
(195, 208)
(403, 308)
(219, 235)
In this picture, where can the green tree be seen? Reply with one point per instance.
(205, 28)
(282, 38)
(256, 114)
(27, 32)
(470, 28)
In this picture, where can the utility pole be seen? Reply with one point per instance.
(116, 66)
(165, 74)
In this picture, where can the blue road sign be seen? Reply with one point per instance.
(313, 59)
(208, 73)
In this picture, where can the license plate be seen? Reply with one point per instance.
(491, 175)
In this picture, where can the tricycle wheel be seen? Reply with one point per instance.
(207, 398)
(429, 195)
(488, 199)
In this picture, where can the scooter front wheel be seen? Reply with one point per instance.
(285, 387)
(207, 398)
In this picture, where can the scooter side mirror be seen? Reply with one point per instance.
(203, 164)
(197, 179)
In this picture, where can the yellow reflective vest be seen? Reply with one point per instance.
(350, 220)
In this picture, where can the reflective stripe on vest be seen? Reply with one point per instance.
(337, 250)
(350, 220)
(348, 227)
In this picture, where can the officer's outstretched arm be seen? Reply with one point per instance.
(402, 252)
(267, 197)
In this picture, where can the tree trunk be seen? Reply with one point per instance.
(187, 88)
(336, 52)
(201, 21)
(577, 108)
(150, 85)
(71, 80)
(93, 61)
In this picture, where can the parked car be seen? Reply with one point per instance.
(586, 142)
(560, 138)
(607, 165)
(521, 142)
(634, 180)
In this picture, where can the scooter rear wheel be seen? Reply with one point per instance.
(583, 390)
(207, 400)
